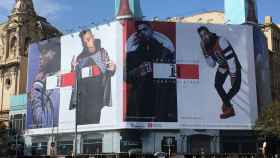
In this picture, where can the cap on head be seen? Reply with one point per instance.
(141, 24)
(201, 28)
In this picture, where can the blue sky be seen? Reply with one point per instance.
(72, 14)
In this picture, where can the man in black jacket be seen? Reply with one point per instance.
(94, 91)
(149, 99)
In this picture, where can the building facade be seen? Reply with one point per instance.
(147, 141)
(272, 33)
(23, 27)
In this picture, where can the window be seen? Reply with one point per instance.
(91, 146)
(26, 45)
(200, 143)
(278, 44)
(39, 148)
(169, 143)
(12, 46)
(274, 44)
(13, 42)
(18, 122)
(64, 147)
(8, 83)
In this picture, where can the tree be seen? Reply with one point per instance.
(268, 123)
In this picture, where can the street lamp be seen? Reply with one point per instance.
(48, 108)
(52, 112)
(75, 101)
(16, 145)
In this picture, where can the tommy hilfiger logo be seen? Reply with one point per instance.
(175, 71)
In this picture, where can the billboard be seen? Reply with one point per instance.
(85, 70)
(223, 94)
(141, 74)
(91, 77)
(150, 84)
(42, 104)
(189, 76)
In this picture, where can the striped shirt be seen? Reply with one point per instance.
(223, 54)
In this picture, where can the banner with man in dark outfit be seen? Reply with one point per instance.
(94, 91)
(151, 97)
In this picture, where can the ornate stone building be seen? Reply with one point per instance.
(23, 27)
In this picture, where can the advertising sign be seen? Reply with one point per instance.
(91, 78)
(81, 71)
(42, 105)
(223, 94)
(147, 75)
(150, 72)
(189, 76)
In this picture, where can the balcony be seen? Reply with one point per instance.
(4, 109)
(4, 117)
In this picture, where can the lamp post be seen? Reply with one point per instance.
(52, 112)
(46, 103)
(16, 145)
(75, 136)
(77, 70)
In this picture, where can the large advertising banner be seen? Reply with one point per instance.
(223, 93)
(92, 68)
(150, 72)
(43, 104)
(91, 77)
(148, 75)
(81, 71)
(189, 76)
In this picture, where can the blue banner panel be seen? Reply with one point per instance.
(43, 103)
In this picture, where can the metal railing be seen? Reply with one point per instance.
(150, 155)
